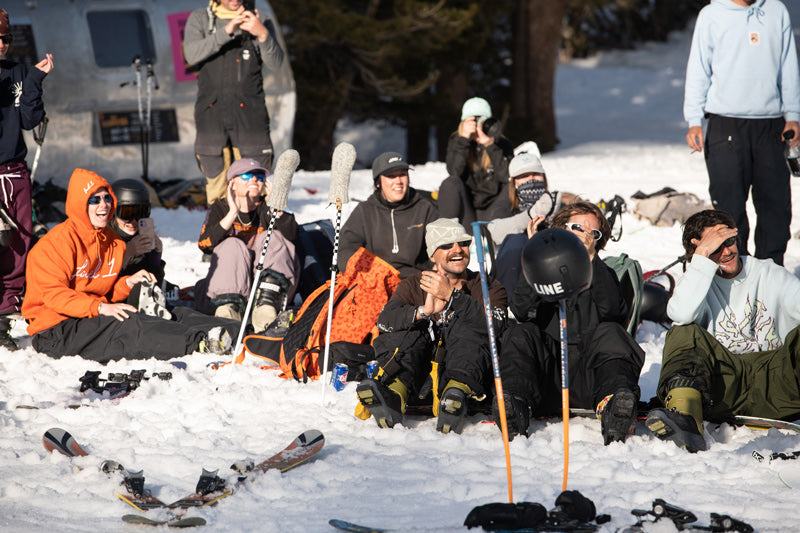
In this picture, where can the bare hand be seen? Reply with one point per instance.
(533, 226)
(437, 286)
(694, 138)
(236, 21)
(46, 64)
(712, 239)
(795, 127)
(139, 277)
(468, 128)
(253, 25)
(119, 311)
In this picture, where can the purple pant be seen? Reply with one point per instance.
(232, 267)
(15, 196)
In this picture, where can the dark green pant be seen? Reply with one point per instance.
(765, 384)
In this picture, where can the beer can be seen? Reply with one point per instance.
(339, 376)
(372, 367)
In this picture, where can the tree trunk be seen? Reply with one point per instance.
(537, 32)
(451, 90)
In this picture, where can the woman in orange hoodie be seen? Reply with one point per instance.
(75, 299)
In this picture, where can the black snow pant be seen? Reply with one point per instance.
(455, 201)
(140, 336)
(530, 367)
(459, 357)
(744, 154)
(763, 384)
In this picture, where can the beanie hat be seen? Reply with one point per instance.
(524, 163)
(476, 107)
(5, 28)
(444, 231)
(386, 163)
(242, 166)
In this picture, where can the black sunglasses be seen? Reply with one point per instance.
(7, 39)
(95, 200)
(730, 241)
(462, 244)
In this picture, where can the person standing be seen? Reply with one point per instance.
(230, 45)
(21, 107)
(743, 76)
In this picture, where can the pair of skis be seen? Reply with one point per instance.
(210, 488)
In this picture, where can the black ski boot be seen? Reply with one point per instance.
(681, 421)
(386, 404)
(5, 335)
(617, 416)
(453, 407)
(518, 417)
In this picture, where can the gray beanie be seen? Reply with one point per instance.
(524, 163)
(444, 231)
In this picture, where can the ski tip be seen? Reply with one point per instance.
(60, 440)
(310, 438)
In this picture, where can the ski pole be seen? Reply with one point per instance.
(562, 316)
(148, 115)
(344, 157)
(498, 383)
(681, 259)
(137, 65)
(277, 202)
(38, 136)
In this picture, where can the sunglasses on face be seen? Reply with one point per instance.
(132, 212)
(462, 244)
(727, 243)
(596, 233)
(95, 200)
(247, 176)
(7, 39)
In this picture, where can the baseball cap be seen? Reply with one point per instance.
(241, 166)
(386, 163)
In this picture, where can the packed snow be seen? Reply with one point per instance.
(620, 124)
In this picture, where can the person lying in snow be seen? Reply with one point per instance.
(75, 301)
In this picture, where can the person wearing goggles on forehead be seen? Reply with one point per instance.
(733, 348)
(78, 303)
(133, 225)
(21, 108)
(436, 315)
(234, 232)
(604, 360)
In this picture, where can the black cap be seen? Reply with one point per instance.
(386, 163)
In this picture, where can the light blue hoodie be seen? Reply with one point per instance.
(743, 63)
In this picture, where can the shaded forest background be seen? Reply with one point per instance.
(414, 62)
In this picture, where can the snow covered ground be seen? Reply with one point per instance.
(621, 130)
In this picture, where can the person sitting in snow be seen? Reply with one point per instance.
(477, 167)
(234, 232)
(604, 361)
(76, 298)
(391, 222)
(734, 348)
(142, 251)
(434, 325)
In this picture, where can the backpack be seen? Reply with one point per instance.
(631, 280)
(360, 293)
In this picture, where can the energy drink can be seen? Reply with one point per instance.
(372, 367)
(339, 376)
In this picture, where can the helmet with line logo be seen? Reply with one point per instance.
(556, 264)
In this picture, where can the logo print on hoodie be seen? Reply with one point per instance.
(88, 187)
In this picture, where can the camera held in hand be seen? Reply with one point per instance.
(491, 127)
(249, 5)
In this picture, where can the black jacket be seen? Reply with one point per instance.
(601, 302)
(483, 185)
(21, 107)
(243, 228)
(393, 232)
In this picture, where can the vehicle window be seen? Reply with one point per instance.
(120, 35)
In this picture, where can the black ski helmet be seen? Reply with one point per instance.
(654, 303)
(556, 264)
(131, 192)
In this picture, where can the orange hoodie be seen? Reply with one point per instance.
(74, 267)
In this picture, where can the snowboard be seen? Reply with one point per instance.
(180, 522)
(766, 423)
(350, 527)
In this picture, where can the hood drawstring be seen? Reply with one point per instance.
(6, 179)
(757, 11)
(395, 245)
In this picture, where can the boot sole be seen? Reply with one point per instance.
(618, 421)
(370, 396)
(665, 428)
(452, 412)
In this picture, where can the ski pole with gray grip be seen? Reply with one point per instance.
(344, 157)
(277, 202)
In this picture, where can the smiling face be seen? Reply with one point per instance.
(727, 259)
(252, 188)
(129, 227)
(394, 186)
(100, 214)
(452, 258)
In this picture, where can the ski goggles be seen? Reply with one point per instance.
(727, 243)
(132, 212)
(7, 39)
(259, 176)
(596, 233)
(95, 200)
